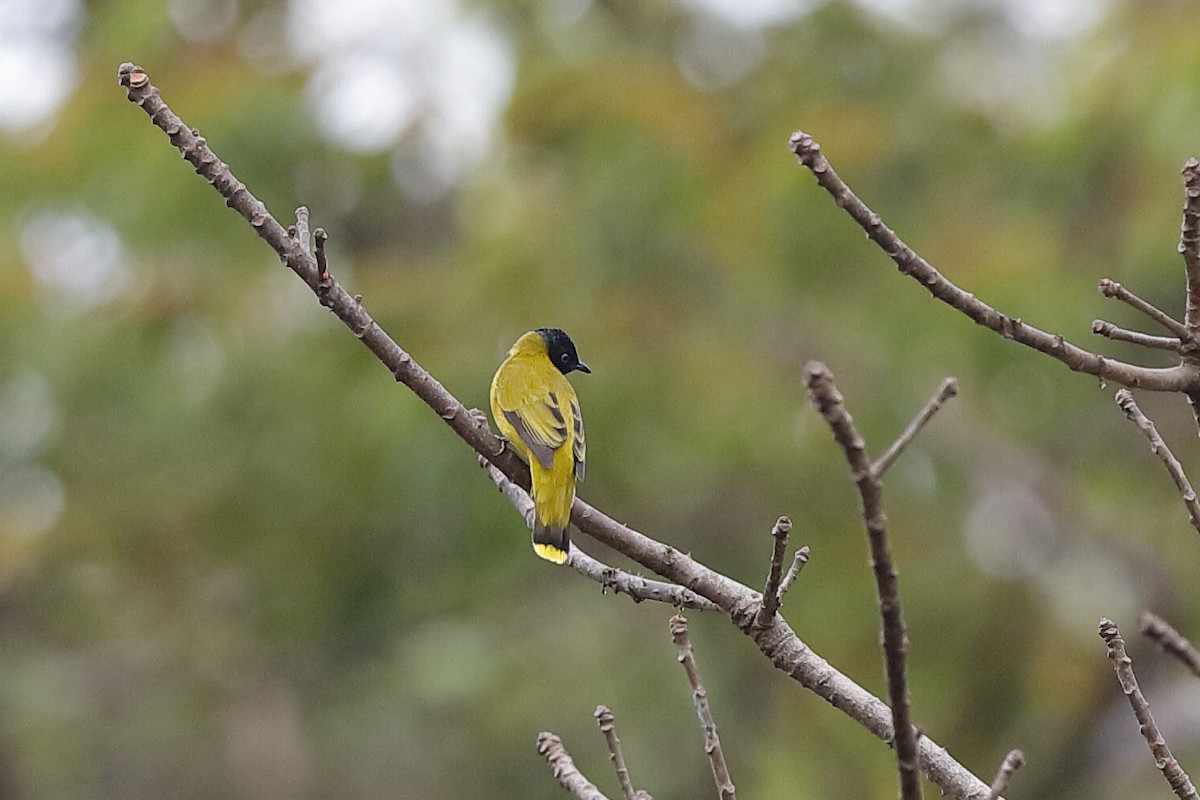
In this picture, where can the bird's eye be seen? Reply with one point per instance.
(565, 358)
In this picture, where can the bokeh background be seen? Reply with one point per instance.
(238, 561)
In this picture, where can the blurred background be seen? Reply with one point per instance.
(237, 560)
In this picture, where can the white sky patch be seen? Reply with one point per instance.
(1056, 19)
(203, 20)
(425, 73)
(363, 101)
(1040, 19)
(713, 54)
(37, 55)
(754, 13)
(76, 258)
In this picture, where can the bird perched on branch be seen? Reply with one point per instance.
(536, 409)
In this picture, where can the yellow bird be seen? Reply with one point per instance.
(536, 408)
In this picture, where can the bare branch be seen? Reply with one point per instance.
(1118, 334)
(564, 769)
(948, 389)
(301, 230)
(828, 401)
(770, 596)
(779, 642)
(617, 580)
(1157, 446)
(1170, 641)
(1110, 288)
(1189, 243)
(712, 742)
(1012, 762)
(320, 237)
(798, 562)
(604, 717)
(1179, 780)
(1170, 379)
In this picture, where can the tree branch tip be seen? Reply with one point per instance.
(801, 144)
(1108, 287)
(132, 76)
(1108, 629)
(783, 526)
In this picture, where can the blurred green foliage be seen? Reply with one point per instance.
(239, 561)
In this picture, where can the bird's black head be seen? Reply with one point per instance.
(561, 350)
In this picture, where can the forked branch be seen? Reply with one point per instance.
(1159, 447)
(564, 769)
(1170, 641)
(1181, 784)
(828, 400)
(604, 718)
(1182, 378)
(712, 742)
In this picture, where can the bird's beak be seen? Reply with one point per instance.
(582, 367)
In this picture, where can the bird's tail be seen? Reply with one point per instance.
(551, 542)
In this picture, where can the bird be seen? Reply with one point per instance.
(537, 411)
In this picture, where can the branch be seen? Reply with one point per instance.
(1171, 641)
(770, 596)
(1012, 762)
(619, 581)
(1110, 288)
(948, 389)
(1179, 780)
(798, 562)
(564, 769)
(1118, 334)
(712, 742)
(828, 401)
(604, 717)
(779, 642)
(1181, 378)
(1189, 243)
(1159, 447)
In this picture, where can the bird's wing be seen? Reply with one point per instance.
(538, 420)
(580, 445)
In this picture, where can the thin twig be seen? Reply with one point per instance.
(1110, 288)
(770, 596)
(604, 718)
(779, 642)
(1118, 334)
(828, 400)
(1170, 379)
(1159, 447)
(1011, 763)
(798, 562)
(712, 743)
(303, 236)
(1170, 641)
(948, 389)
(617, 580)
(564, 769)
(1179, 780)
(320, 237)
(1189, 243)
